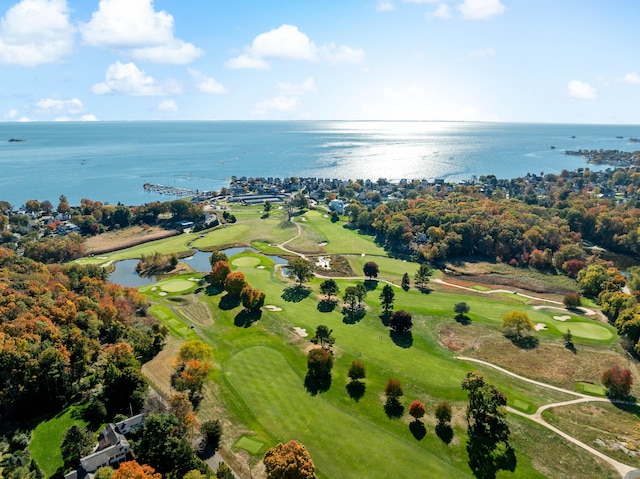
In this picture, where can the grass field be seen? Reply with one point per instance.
(258, 380)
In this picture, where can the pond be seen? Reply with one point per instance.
(126, 275)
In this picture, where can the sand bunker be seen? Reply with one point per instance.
(540, 326)
(323, 262)
(301, 332)
(562, 318)
(162, 293)
(272, 307)
(260, 267)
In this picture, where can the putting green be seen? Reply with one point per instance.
(176, 285)
(250, 445)
(246, 261)
(585, 330)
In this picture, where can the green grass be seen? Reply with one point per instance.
(592, 389)
(47, 438)
(249, 444)
(176, 285)
(585, 330)
(246, 261)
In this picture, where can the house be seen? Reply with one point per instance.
(112, 448)
(337, 205)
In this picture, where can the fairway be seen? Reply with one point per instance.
(585, 330)
(252, 446)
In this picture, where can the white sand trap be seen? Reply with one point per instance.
(325, 216)
(562, 318)
(162, 293)
(540, 326)
(323, 243)
(260, 266)
(301, 331)
(154, 288)
(272, 307)
(363, 255)
(302, 218)
(194, 279)
(323, 262)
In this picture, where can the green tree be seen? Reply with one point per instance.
(300, 269)
(77, 442)
(393, 389)
(212, 432)
(329, 287)
(224, 472)
(406, 282)
(517, 325)
(194, 349)
(267, 206)
(387, 296)
(323, 337)
(422, 275)
(461, 309)
(104, 472)
(357, 370)
(289, 461)
(443, 413)
(371, 269)
(218, 256)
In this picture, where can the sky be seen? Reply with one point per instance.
(560, 61)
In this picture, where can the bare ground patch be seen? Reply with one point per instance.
(197, 312)
(124, 238)
(160, 368)
(550, 362)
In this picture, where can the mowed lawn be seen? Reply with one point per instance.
(260, 366)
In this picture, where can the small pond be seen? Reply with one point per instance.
(126, 275)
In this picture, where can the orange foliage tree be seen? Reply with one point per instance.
(289, 461)
(133, 470)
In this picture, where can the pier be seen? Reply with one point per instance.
(173, 190)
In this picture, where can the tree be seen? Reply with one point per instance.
(181, 407)
(370, 269)
(323, 337)
(387, 296)
(487, 430)
(217, 256)
(133, 470)
(393, 389)
(252, 299)
(300, 269)
(618, 382)
(289, 461)
(194, 349)
(572, 300)
(212, 432)
(63, 205)
(329, 287)
(235, 283)
(32, 206)
(357, 370)
(406, 282)
(267, 206)
(422, 275)
(77, 442)
(401, 321)
(443, 413)
(219, 272)
(224, 472)
(319, 362)
(516, 325)
(568, 340)
(417, 410)
(105, 472)
(461, 310)
(392, 406)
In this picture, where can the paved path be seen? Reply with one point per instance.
(624, 470)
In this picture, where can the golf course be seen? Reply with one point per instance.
(257, 385)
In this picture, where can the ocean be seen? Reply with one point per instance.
(111, 161)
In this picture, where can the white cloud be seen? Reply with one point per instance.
(631, 77)
(24, 119)
(51, 106)
(581, 90)
(289, 43)
(168, 106)
(308, 85)
(385, 6)
(480, 9)
(443, 11)
(89, 117)
(206, 84)
(34, 32)
(483, 52)
(134, 25)
(12, 114)
(128, 79)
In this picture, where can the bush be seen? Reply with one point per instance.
(572, 300)
(618, 382)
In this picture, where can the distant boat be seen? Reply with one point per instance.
(573, 136)
(553, 147)
(619, 137)
(16, 140)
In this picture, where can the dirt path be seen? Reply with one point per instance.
(624, 470)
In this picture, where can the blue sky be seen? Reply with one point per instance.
(566, 61)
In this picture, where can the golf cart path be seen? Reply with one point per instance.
(624, 470)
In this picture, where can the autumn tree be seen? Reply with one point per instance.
(219, 272)
(357, 370)
(217, 256)
(618, 382)
(252, 299)
(289, 461)
(370, 269)
(235, 283)
(516, 325)
(387, 296)
(401, 321)
(192, 366)
(393, 390)
(572, 300)
(133, 470)
(319, 364)
(181, 407)
(417, 410)
(443, 413)
(300, 269)
(323, 337)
